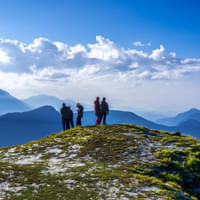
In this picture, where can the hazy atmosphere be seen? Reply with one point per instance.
(139, 54)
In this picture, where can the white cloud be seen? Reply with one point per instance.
(173, 54)
(190, 61)
(134, 65)
(103, 57)
(44, 66)
(4, 58)
(140, 44)
(104, 49)
(158, 54)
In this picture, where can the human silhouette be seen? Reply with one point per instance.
(71, 118)
(79, 114)
(67, 117)
(104, 110)
(97, 110)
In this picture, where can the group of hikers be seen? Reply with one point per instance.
(101, 109)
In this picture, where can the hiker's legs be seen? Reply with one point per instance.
(72, 123)
(64, 124)
(78, 121)
(67, 123)
(100, 118)
(104, 118)
(97, 119)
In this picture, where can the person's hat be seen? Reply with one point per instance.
(78, 104)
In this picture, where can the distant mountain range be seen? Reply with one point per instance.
(186, 122)
(8, 103)
(119, 117)
(19, 128)
(190, 127)
(192, 114)
(22, 123)
(42, 100)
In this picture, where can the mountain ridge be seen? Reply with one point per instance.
(8, 103)
(18, 128)
(35, 114)
(181, 117)
(39, 122)
(102, 162)
(43, 99)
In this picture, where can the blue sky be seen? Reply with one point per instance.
(173, 23)
(143, 46)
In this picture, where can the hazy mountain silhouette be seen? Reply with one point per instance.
(44, 113)
(189, 127)
(42, 100)
(192, 114)
(18, 128)
(119, 117)
(9, 103)
(149, 115)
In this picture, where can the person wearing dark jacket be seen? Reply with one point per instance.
(71, 118)
(67, 117)
(104, 109)
(97, 110)
(79, 114)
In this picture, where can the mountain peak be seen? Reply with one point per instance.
(193, 113)
(46, 108)
(188, 114)
(4, 93)
(44, 113)
(193, 110)
(103, 162)
(8, 103)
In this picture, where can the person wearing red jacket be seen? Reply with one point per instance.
(97, 110)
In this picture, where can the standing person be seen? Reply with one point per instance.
(64, 112)
(71, 117)
(104, 110)
(79, 114)
(97, 110)
(67, 117)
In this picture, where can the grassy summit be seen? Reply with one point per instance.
(102, 162)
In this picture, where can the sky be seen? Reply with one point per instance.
(139, 54)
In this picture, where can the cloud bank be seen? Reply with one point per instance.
(44, 64)
(55, 60)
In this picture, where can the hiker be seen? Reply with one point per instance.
(79, 114)
(97, 110)
(71, 117)
(104, 110)
(67, 117)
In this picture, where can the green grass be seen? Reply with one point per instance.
(117, 161)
